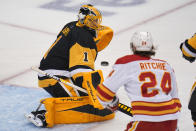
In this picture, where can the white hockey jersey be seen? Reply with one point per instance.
(150, 85)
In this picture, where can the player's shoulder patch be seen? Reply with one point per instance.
(130, 58)
(68, 27)
(65, 31)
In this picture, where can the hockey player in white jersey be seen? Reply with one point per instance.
(150, 84)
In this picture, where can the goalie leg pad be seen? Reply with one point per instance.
(69, 110)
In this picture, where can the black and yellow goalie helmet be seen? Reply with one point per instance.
(89, 16)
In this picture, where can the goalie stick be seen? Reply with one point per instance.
(122, 107)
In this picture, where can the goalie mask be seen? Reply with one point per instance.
(142, 41)
(89, 16)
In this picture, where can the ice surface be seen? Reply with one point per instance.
(28, 28)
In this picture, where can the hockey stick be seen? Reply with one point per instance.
(122, 107)
(58, 79)
(89, 90)
(125, 109)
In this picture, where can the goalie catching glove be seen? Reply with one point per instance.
(188, 48)
(103, 38)
(185, 55)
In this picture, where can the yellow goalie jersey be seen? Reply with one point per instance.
(74, 51)
(188, 49)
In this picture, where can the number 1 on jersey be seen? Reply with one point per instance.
(85, 56)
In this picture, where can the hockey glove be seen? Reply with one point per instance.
(113, 106)
(190, 59)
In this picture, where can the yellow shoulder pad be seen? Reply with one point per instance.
(103, 38)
